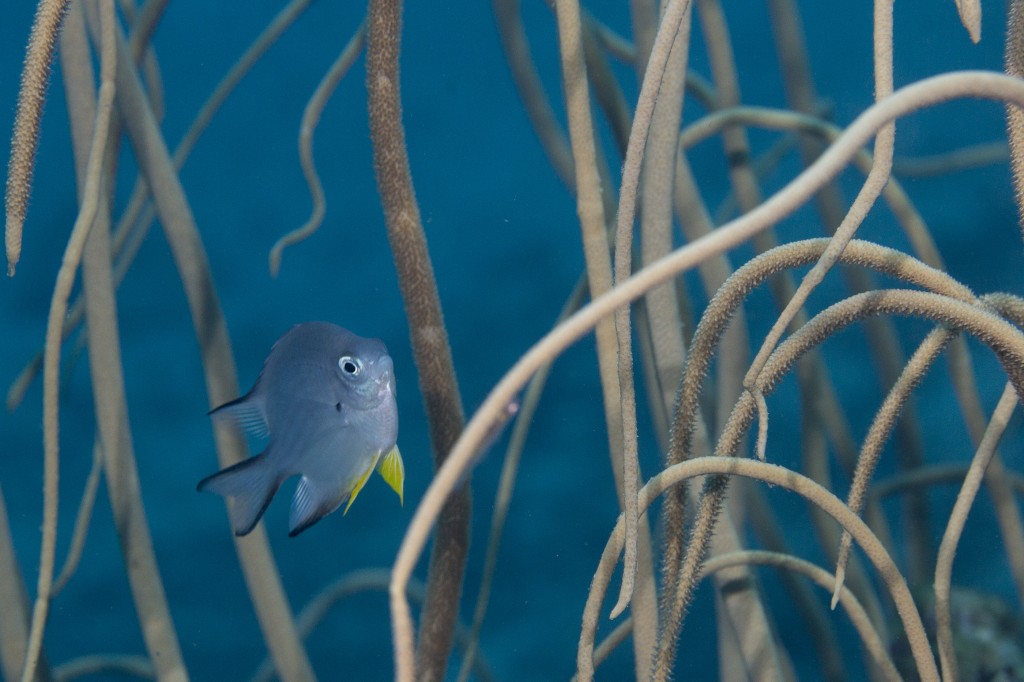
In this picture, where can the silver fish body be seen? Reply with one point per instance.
(326, 399)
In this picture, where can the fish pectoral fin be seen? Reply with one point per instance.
(392, 470)
(309, 505)
(360, 483)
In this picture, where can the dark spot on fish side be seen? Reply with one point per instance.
(338, 407)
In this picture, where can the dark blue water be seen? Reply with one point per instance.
(506, 249)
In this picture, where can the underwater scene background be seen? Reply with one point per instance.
(505, 242)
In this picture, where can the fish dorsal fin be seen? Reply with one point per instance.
(360, 483)
(392, 470)
(244, 412)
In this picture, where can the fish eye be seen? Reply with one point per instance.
(350, 365)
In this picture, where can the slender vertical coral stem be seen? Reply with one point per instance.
(310, 119)
(672, 20)
(590, 211)
(51, 362)
(175, 215)
(873, 185)
(1014, 64)
(34, 77)
(881, 427)
(115, 441)
(531, 90)
(14, 616)
(426, 325)
(954, 529)
(615, 370)
(970, 17)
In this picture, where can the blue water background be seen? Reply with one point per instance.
(506, 250)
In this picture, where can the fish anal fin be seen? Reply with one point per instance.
(392, 470)
(360, 482)
(244, 412)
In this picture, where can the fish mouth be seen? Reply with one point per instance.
(385, 385)
(377, 390)
(386, 378)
